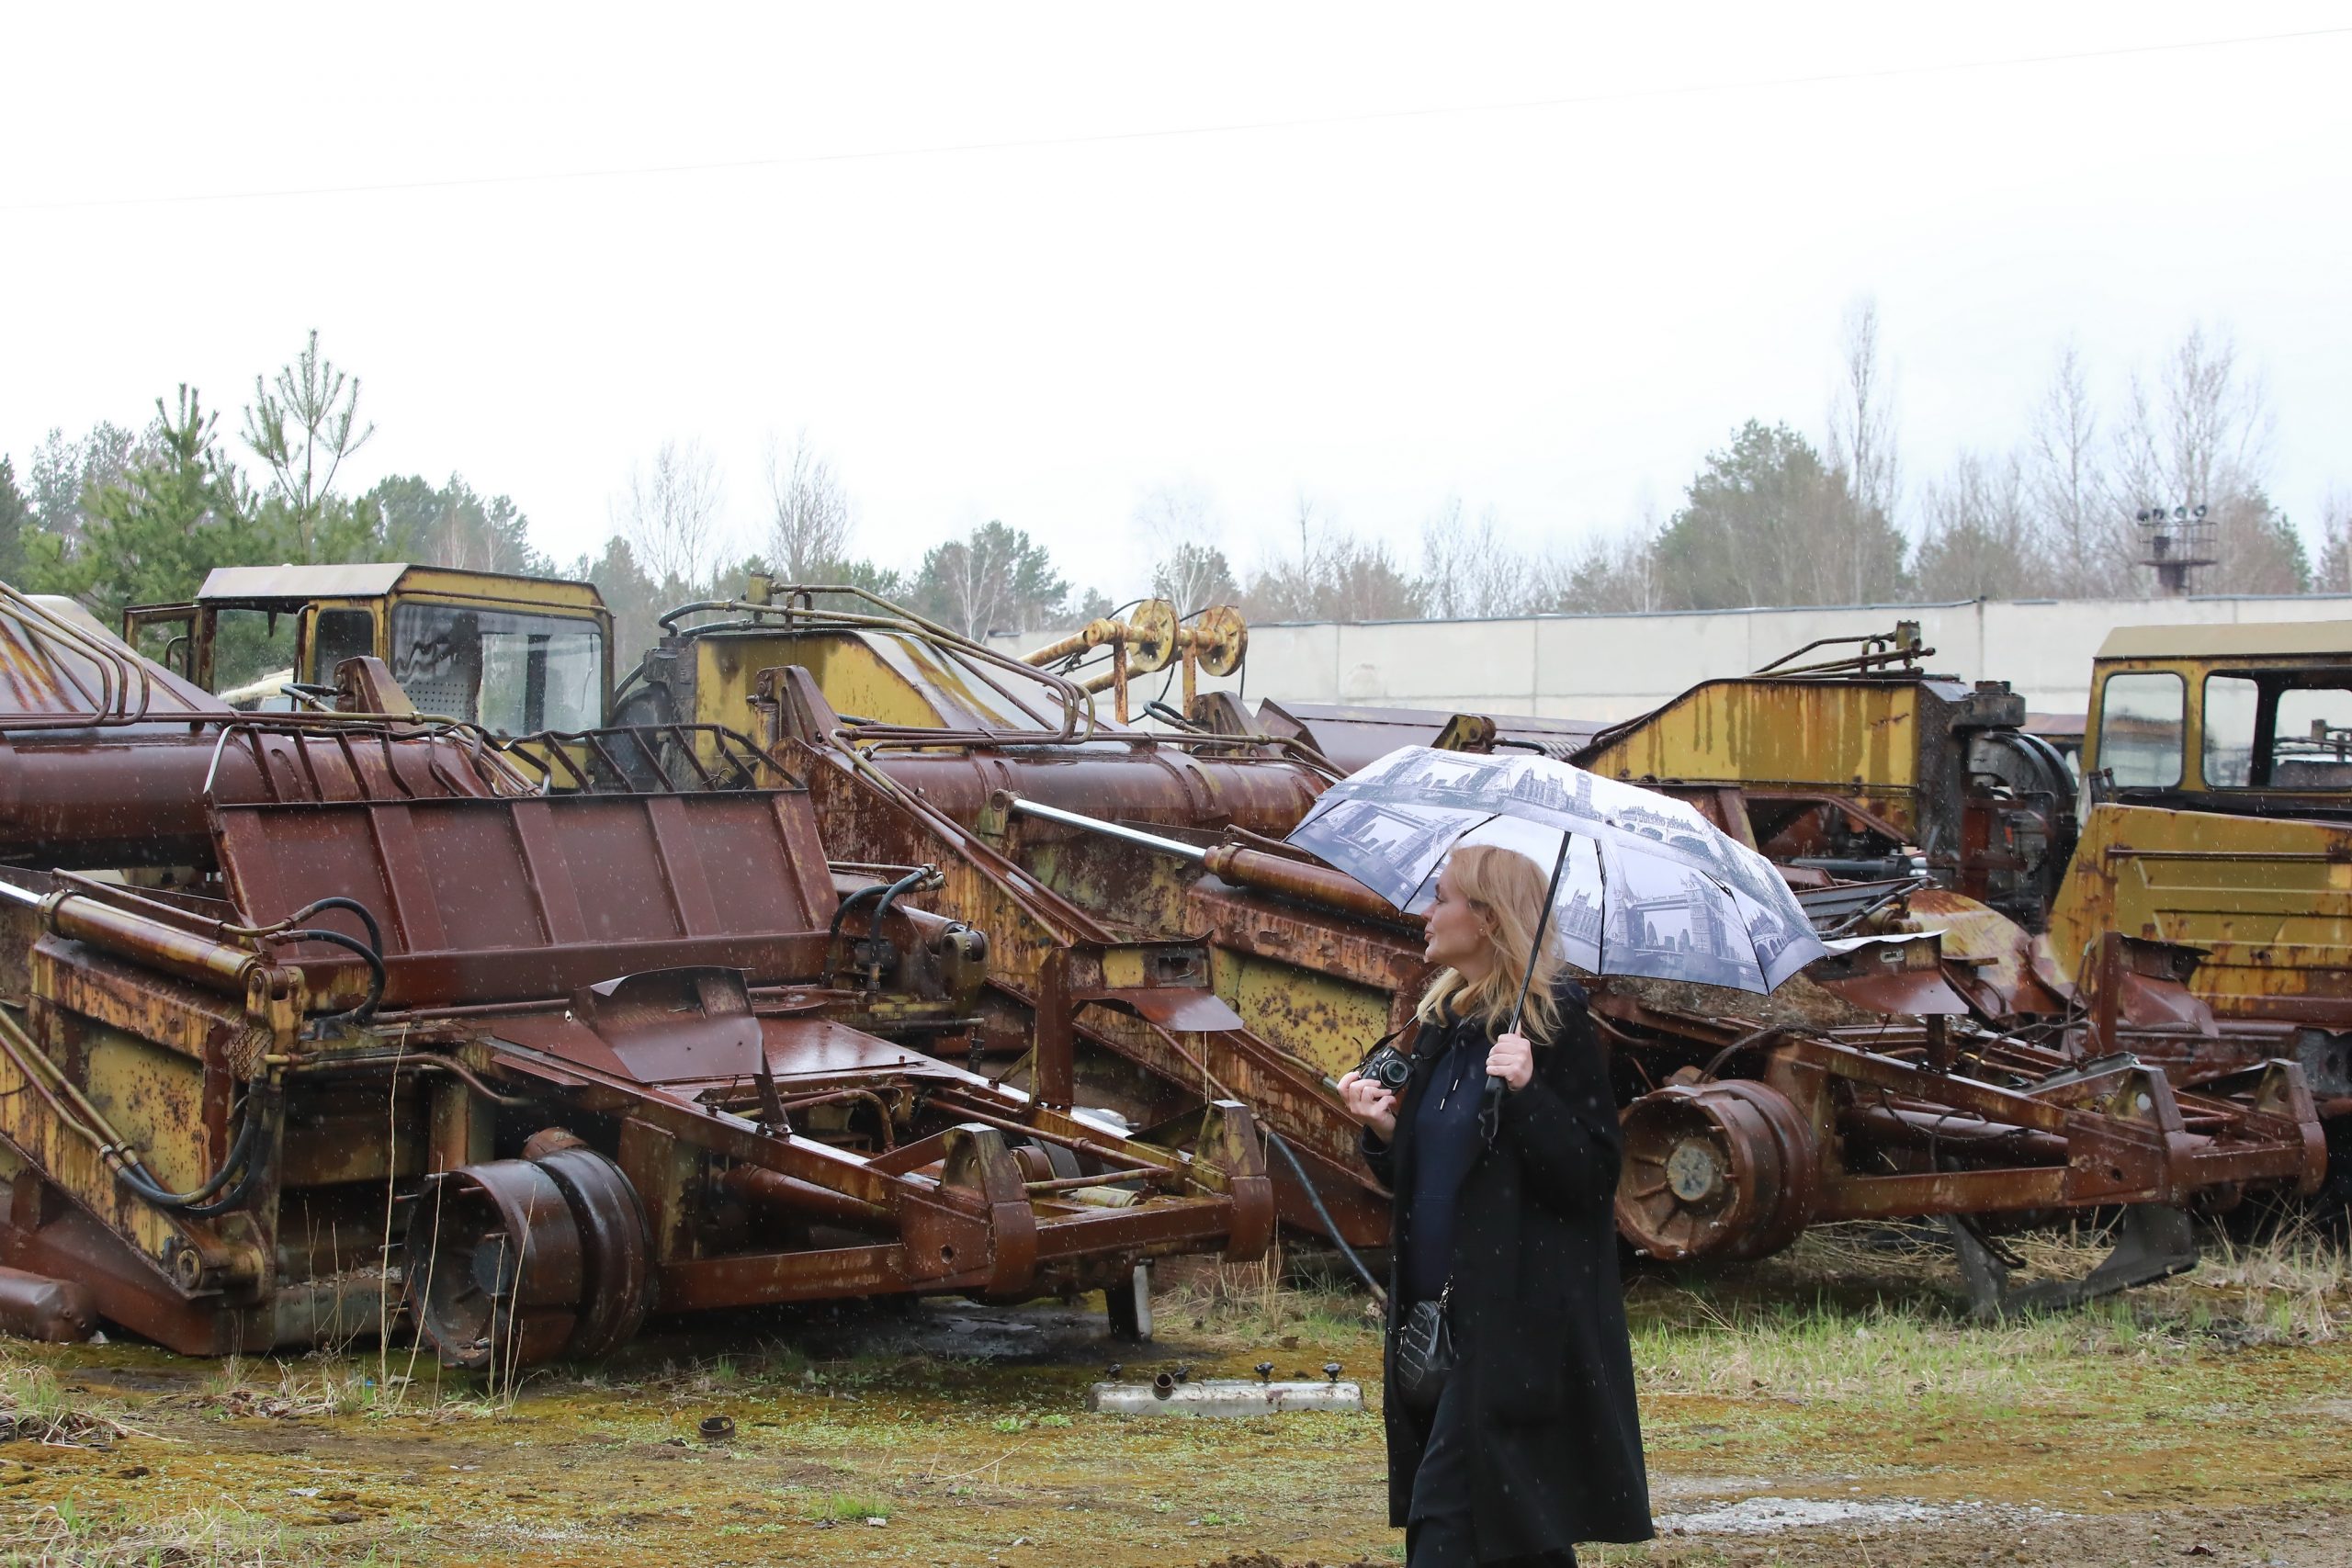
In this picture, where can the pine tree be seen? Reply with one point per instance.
(179, 512)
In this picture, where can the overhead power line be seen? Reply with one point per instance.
(1163, 133)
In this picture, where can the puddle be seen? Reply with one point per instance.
(1767, 1516)
(968, 1330)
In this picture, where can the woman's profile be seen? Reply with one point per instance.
(1529, 1441)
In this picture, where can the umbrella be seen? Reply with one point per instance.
(1642, 883)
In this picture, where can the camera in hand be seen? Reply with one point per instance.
(1387, 1066)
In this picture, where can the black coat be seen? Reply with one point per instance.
(1538, 1311)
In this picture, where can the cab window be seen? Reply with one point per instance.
(2284, 729)
(252, 658)
(2311, 745)
(2140, 729)
(337, 636)
(2232, 703)
(512, 673)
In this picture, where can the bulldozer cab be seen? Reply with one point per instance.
(2242, 720)
(516, 655)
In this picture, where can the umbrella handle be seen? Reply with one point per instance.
(1490, 1110)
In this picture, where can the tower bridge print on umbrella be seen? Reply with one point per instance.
(1647, 887)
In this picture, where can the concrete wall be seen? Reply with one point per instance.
(1611, 667)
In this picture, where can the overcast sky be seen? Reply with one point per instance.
(1028, 263)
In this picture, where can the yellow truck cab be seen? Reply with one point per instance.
(2247, 720)
(2217, 763)
(515, 655)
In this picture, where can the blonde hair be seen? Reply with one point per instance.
(1505, 889)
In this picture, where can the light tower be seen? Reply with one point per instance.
(2179, 541)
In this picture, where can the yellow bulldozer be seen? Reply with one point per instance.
(2218, 781)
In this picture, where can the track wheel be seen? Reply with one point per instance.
(516, 1261)
(1714, 1170)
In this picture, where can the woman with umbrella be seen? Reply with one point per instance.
(1505, 1234)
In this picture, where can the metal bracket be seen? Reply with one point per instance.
(2155, 1241)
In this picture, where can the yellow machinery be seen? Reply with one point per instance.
(1864, 767)
(515, 655)
(2218, 761)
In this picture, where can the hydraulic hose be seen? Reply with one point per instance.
(887, 892)
(371, 952)
(1330, 1226)
(375, 975)
(90, 1124)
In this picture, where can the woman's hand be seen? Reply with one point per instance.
(1511, 1059)
(1369, 1103)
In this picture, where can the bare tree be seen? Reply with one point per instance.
(1183, 536)
(810, 520)
(1979, 540)
(2199, 434)
(303, 428)
(2334, 574)
(1334, 577)
(1194, 577)
(669, 513)
(2083, 539)
(1469, 570)
(1605, 574)
(1861, 440)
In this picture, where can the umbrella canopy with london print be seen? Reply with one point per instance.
(1648, 888)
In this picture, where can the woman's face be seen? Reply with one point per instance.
(1456, 939)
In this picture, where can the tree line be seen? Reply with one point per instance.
(117, 517)
(1773, 516)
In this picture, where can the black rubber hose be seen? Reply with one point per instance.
(375, 975)
(236, 1197)
(886, 891)
(889, 897)
(142, 1183)
(841, 912)
(375, 932)
(241, 1154)
(1330, 1224)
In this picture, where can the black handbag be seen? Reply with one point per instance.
(1422, 1356)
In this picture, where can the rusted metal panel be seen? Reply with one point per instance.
(1893, 974)
(533, 897)
(2269, 902)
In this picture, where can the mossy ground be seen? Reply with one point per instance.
(2212, 1411)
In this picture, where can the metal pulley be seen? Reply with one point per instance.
(1220, 639)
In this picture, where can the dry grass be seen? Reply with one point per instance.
(63, 1534)
(35, 1406)
(1873, 1313)
(327, 1384)
(1261, 1298)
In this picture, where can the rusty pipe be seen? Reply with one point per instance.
(1094, 634)
(1961, 1135)
(1236, 864)
(219, 965)
(1246, 867)
(768, 1189)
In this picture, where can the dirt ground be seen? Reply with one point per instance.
(1831, 1408)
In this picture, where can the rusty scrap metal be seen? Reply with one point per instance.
(631, 974)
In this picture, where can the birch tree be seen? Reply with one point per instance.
(669, 513)
(809, 518)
